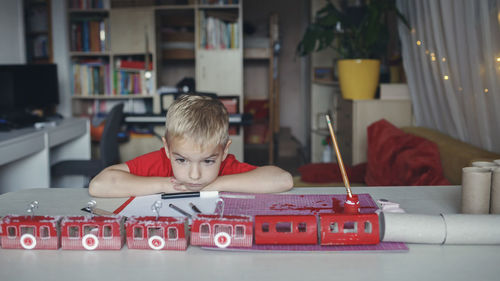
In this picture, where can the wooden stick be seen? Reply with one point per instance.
(339, 158)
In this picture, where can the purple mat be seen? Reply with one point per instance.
(311, 204)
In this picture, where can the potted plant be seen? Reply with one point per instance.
(359, 35)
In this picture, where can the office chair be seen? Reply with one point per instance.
(108, 149)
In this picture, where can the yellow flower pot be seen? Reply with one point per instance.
(358, 78)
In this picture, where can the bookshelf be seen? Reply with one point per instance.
(106, 66)
(38, 31)
(162, 40)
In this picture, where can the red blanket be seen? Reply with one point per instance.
(398, 158)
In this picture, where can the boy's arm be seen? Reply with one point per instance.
(265, 179)
(117, 181)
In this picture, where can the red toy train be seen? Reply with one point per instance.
(171, 233)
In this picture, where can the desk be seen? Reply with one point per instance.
(422, 262)
(27, 154)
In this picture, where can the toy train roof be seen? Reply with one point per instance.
(206, 217)
(153, 220)
(94, 219)
(9, 219)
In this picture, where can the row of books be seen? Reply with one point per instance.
(218, 34)
(218, 2)
(89, 35)
(91, 78)
(127, 82)
(88, 4)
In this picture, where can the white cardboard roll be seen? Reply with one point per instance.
(472, 229)
(495, 191)
(476, 188)
(412, 228)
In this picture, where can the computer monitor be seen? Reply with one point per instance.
(28, 86)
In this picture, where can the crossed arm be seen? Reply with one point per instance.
(117, 181)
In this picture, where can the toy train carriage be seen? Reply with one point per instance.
(225, 231)
(30, 232)
(92, 233)
(286, 229)
(348, 229)
(164, 233)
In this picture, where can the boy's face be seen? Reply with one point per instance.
(194, 167)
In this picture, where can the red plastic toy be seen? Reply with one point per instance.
(29, 232)
(349, 229)
(222, 231)
(92, 233)
(286, 229)
(161, 233)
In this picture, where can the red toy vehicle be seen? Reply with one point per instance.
(286, 229)
(157, 233)
(222, 231)
(92, 233)
(349, 229)
(29, 232)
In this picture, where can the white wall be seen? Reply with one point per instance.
(12, 45)
(60, 52)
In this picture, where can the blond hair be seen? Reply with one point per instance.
(200, 118)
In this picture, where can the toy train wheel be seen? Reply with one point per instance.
(90, 242)
(156, 242)
(222, 239)
(28, 241)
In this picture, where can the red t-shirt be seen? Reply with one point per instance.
(157, 164)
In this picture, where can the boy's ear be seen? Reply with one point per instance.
(165, 145)
(226, 150)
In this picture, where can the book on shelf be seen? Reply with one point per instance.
(133, 64)
(89, 34)
(219, 2)
(217, 32)
(132, 83)
(90, 77)
(88, 4)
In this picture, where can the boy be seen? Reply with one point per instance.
(194, 157)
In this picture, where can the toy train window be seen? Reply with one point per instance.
(284, 227)
(155, 231)
(223, 228)
(302, 227)
(107, 231)
(73, 232)
(368, 227)
(239, 232)
(172, 233)
(27, 230)
(204, 230)
(44, 232)
(90, 229)
(11, 231)
(138, 232)
(265, 227)
(350, 227)
(334, 227)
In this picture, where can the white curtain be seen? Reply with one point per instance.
(451, 56)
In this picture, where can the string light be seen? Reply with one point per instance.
(426, 52)
(498, 59)
(419, 42)
(460, 89)
(446, 77)
(443, 59)
(486, 90)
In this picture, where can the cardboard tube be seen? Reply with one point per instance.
(495, 192)
(472, 229)
(484, 164)
(476, 186)
(412, 228)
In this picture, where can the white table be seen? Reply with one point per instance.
(26, 154)
(422, 262)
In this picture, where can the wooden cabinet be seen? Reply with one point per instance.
(132, 30)
(354, 117)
